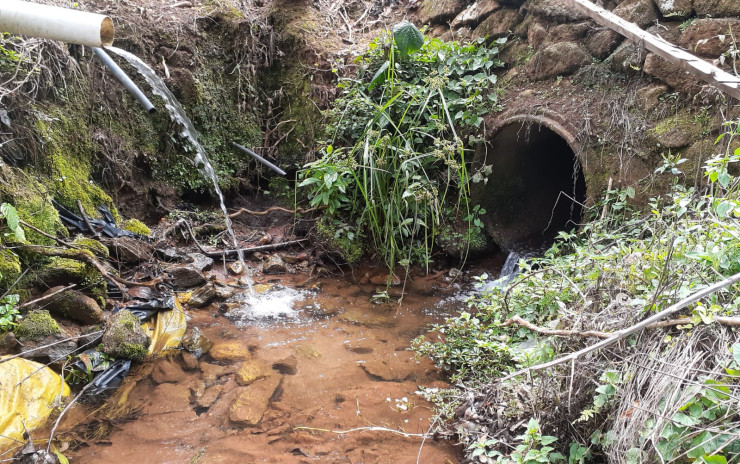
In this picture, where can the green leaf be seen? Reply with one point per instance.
(11, 216)
(736, 353)
(407, 37)
(714, 459)
(724, 179)
(380, 76)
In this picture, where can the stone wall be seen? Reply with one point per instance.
(621, 108)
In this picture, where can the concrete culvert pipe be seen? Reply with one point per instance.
(55, 23)
(529, 196)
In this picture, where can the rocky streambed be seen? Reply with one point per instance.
(310, 370)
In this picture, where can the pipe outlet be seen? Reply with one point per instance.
(55, 23)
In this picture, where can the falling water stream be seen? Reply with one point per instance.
(177, 113)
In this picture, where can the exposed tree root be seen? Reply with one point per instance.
(272, 209)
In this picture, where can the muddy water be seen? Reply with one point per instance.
(309, 375)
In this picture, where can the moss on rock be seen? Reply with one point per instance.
(125, 338)
(36, 324)
(63, 271)
(69, 153)
(137, 227)
(92, 245)
(10, 269)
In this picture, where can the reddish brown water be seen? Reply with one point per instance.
(328, 373)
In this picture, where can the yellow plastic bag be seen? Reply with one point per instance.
(29, 392)
(167, 330)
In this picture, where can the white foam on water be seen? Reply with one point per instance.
(274, 305)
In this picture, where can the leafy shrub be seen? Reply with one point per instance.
(394, 163)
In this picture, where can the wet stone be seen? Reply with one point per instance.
(212, 372)
(124, 337)
(370, 316)
(189, 359)
(230, 351)
(39, 349)
(172, 255)
(74, 305)
(209, 396)
(223, 291)
(201, 296)
(167, 371)
(252, 370)
(274, 265)
(236, 268)
(201, 262)
(185, 276)
(390, 369)
(251, 402)
(196, 343)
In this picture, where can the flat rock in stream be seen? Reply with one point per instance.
(287, 366)
(230, 351)
(172, 255)
(375, 316)
(251, 402)
(167, 371)
(252, 370)
(129, 250)
(391, 368)
(212, 372)
(196, 343)
(209, 396)
(185, 276)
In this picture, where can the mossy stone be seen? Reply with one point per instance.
(36, 324)
(64, 271)
(137, 227)
(124, 338)
(10, 269)
(92, 245)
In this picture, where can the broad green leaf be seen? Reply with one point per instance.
(407, 37)
(380, 76)
(11, 217)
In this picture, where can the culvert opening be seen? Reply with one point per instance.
(535, 189)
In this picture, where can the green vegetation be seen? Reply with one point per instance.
(394, 166)
(137, 227)
(651, 404)
(36, 324)
(8, 312)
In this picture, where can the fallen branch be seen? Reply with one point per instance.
(723, 320)
(271, 209)
(87, 221)
(41, 232)
(64, 411)
(621, 334)
(46, 297)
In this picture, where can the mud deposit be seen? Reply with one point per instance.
(284, 377)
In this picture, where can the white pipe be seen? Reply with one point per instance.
(51, 22)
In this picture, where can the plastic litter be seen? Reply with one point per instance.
(29, 394)
(110, 378)
(147, 309)
(106, 226)
(167, 330)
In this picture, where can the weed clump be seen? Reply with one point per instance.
(394, 164)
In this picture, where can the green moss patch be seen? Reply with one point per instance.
(137, 227)
(10, 269)
(36, 324)
(92, 245)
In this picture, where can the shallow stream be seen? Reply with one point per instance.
(308, 375)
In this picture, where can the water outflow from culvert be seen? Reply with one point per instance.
(511, 267)
(177, 113)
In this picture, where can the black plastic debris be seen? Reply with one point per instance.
(113, 291)
(147, 309)
(109, 379)
(106, 226)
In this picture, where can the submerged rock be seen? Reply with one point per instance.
(252, 370)
(251, 402)
(74, 305)
(209, 396)
(167, 371)
(274, 265)
(125, 338)
(287, 366)
(229, 351)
